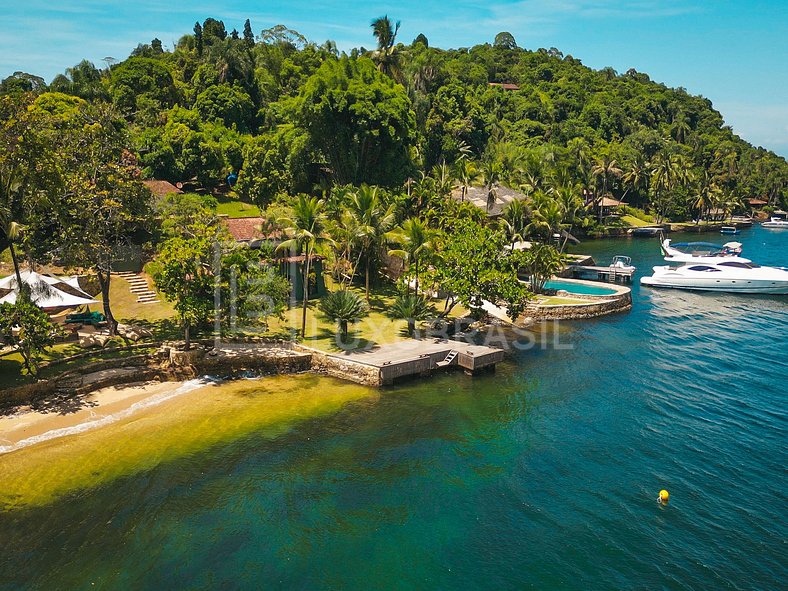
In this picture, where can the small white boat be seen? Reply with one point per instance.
(729, 230)
(775, 222)
(623, 264)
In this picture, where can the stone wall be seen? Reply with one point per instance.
(166, 364)
(601, 307)
(360, 373)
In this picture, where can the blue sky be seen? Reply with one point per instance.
(731, 51)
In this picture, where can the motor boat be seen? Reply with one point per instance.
(690, 252)
(708, 267)
(729, 230)
(729, 276)
(622, 264)
(775, 222)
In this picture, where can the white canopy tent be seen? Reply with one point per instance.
(44, 291)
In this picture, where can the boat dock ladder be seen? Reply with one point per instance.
(448, 360)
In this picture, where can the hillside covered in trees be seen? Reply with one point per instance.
(286, 115)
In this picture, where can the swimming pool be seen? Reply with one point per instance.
(579, 288)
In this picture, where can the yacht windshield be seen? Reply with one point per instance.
(705, 268)
(739, 265)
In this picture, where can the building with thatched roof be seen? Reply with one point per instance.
(478, 197)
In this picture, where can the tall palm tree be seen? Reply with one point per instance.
(417, 243)
(466, 174)
(444, 179)
(680, 128)
(548, 217)
(636, 176)
(13, 233)
(307, 231)
(668, 171)
(374, 221)
(387, 55)
(491, 175)
(607, 169)
(515, 220)
(703, 199)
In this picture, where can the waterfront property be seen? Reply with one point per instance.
(385, 365)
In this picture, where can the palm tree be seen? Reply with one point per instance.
(444, 179)
(668, 171)
(416, 240)
(635, 177)
(13, 233)
(344, 231)
(515, 220)
(491, 175)
(307, 231)
(702, 201)
(411, 307)
(466, 174)
(343, 307)
(680, 128)
(373, 221)
(606, 168)
(387, 56)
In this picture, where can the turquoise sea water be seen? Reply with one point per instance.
(542, 476)
(579, 288)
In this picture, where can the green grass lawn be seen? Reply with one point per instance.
(375, 329)
(158, 318)
(635, 222)
(559, 301)
(235, 208)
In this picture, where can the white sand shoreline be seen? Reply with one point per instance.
(103, 407)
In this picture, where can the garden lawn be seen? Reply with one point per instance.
(235, 208)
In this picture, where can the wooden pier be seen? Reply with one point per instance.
(611, 274)
(389, 363)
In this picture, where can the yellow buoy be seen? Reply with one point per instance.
(664, 497)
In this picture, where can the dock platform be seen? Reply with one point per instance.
(421, 357)
(611, 273)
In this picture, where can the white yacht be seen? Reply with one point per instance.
(716, 270)
(692, 252)
(776, 222)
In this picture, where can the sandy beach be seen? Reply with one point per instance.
(99, 409)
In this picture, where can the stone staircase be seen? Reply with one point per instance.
(140, 288)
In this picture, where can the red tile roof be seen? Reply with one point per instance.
(161, 188)
(249, 229)
(505, 85)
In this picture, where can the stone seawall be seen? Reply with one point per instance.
(602, 306)
(324, 364)
(165, 364)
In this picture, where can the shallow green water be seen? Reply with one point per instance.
(542, 476)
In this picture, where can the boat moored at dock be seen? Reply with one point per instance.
(776, 222)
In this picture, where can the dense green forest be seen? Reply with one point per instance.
(286, 114)
(355, 154)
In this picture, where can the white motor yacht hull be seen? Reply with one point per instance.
(777, 284)
(779, 224)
